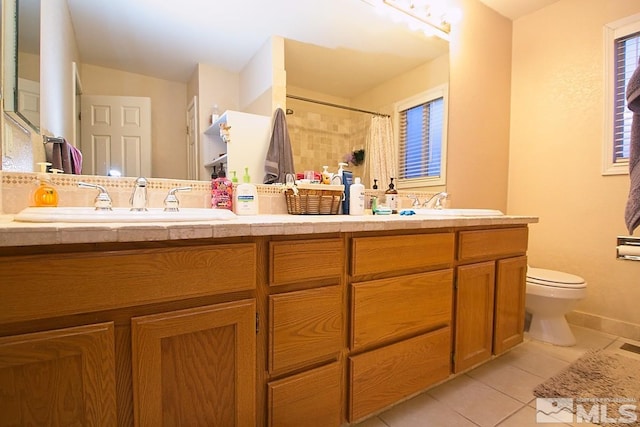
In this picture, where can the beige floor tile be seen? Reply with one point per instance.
(423, 411)
(532, 405)
(529, 357)
(526, 417)
(508, 379)
(476, 401)
(586, 339)
(615, 347)
(371, 422)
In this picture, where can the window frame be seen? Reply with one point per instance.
(612, 32)
(441, 91)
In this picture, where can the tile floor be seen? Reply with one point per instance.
(498, 393)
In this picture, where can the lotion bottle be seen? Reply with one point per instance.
(246, 196)
(356, 198)
(391, 197)
(45, 193)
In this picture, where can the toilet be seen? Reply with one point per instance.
(550, 295)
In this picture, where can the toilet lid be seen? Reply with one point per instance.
(554, 278)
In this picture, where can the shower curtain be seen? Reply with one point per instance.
(382, 158)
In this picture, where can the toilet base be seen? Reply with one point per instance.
(551, 329)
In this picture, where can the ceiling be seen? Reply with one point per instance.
(342, 44)
(514, 9)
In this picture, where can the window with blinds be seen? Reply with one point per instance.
(420, 150)
(421, 138)
(627, 54)
(622, 56)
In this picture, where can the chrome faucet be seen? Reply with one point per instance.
(138, 200)
(437, 201)
(171, 202)
(102, 201)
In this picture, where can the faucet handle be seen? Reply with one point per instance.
(416, 200)
(171, 201)
(102, 201)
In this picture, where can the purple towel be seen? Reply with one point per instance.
(66, 157)
(632, 211)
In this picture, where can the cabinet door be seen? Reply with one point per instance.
(310, 399)
(63, 377)
(474, 314)
(195, 366)
(304, 327)
(510, 296)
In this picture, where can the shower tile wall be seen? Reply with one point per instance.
(319, 139)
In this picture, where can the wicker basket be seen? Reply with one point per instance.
(314, 199)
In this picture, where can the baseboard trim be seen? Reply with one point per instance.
(605, 324)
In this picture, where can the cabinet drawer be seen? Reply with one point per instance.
(63, 284)
(399, 306)
(310, 399)
(381, 377)
(300, 260)
(387, 254)
(304, 326)
(487, 244)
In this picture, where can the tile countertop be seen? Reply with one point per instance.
(13, 233)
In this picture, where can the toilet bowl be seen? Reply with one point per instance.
(550, 295)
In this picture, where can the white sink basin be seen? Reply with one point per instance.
(83, 214)
(456, 212)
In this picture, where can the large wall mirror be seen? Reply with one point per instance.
(356, 60)
(22, 60)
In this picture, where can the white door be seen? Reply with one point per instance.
(116, 135)
(192, 139)
(29, 100)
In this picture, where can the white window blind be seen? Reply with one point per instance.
(420, 148)
(627, 54)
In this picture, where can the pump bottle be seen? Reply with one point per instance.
(45, 193)
(391, 197)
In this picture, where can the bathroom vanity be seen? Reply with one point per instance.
(275, 320)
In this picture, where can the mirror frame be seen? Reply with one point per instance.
(10, 83)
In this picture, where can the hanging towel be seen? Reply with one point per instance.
(279, 161)
(65, 157)
(632, 211)
(76, 160)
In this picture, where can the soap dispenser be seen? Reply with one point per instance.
(246, 196)
(44, 194)
(391, 197)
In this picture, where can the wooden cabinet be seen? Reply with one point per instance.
(509, 303)
(182, 338)
(490, 294)
(305, 333)
(401, 298)
(195, 366)
(310, 399)
(60, 377)
(388, 254)
(384, 376)
(299, 261)
(387, 309)
(304, 327)
(474, 314)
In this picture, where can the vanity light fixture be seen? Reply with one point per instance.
(433, 17)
